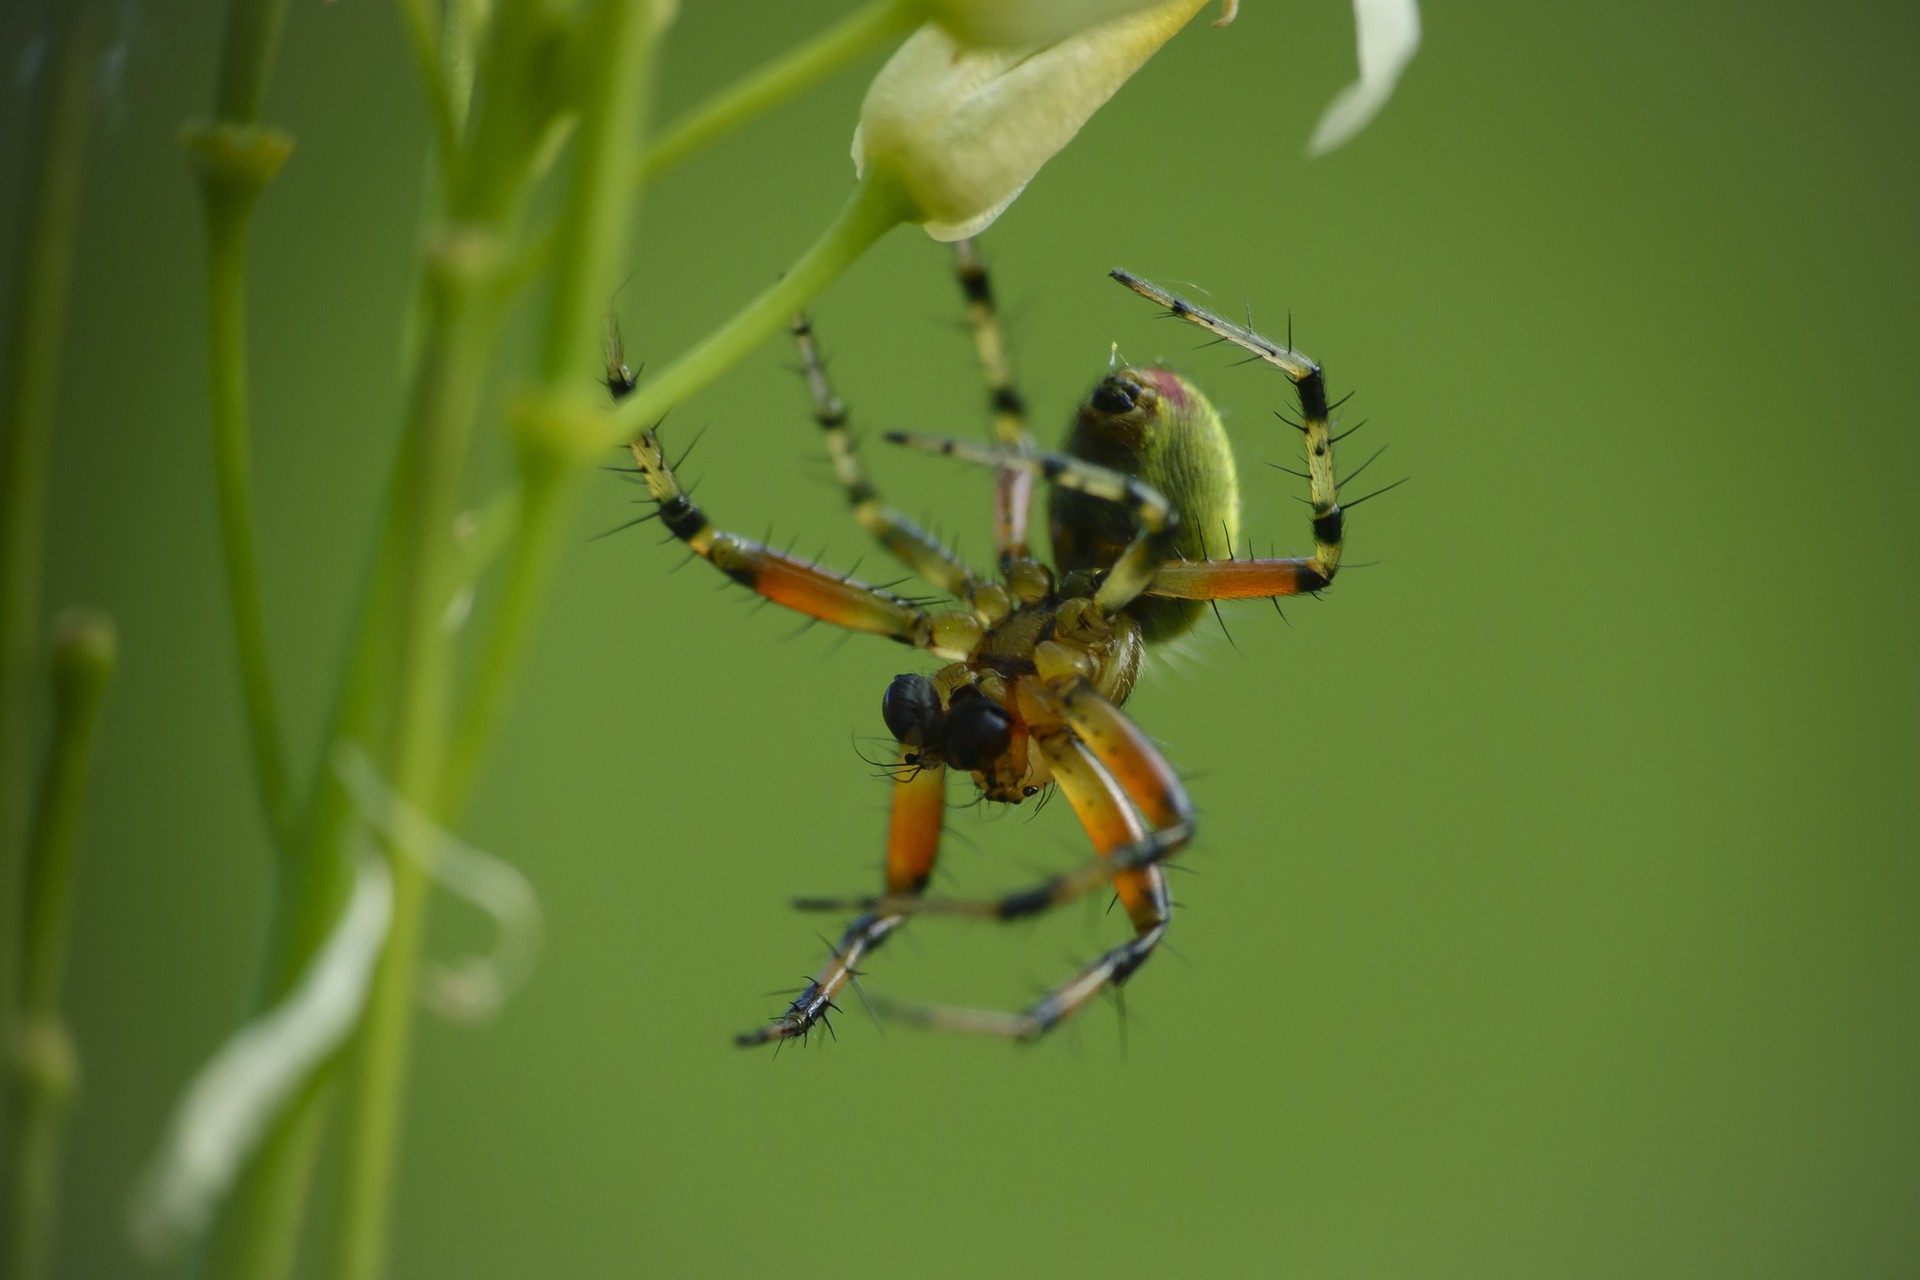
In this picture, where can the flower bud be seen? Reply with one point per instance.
(962, 131)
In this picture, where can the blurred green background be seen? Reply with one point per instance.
(1556, 898)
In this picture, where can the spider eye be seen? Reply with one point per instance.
(911, 709)
(979, 731)
(1115, 395)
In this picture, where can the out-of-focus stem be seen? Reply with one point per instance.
(234, 158)
(246, 58)
(447, 109)
(83, 661)
(426, 767)
(759, 92)
(452, 370)
(234, 164)
(36, 325)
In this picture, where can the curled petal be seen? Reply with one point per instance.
(471, 988)
(1388, 33)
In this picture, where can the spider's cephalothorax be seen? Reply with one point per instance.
(1144, 519)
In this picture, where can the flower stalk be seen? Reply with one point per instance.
(82, 666)
(875, 208)
(785, 77)
(234, 163)
(36, 328)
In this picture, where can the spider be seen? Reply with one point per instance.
(1144, 516)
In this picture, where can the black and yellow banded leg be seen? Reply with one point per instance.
(913, 546)
(1013, 490)
(794, 583)
(913, 844)
(1114, 826)
(1133, 572)
(1314, 425)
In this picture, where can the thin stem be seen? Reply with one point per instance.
(43, 270)
(234, 164)
(83, 661)
(874, 209)
(259, 1227)
(744, 101)
(460, 326)
(447, 109)
(539, 520)
(616, 41)
(246, 58)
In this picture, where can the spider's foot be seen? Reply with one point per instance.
(815, 1001)
(809, 1009)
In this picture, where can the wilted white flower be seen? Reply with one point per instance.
(962, 131)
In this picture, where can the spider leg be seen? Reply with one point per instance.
(1013, 491)
(1110, 799)
(913, 842)
(1239, 579)
(1130, 762)
(1314, 425)
(1134, 571)
(792, 582)
(913, 546)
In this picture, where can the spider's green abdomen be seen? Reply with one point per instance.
(1157, 426)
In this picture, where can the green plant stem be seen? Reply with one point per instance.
(874, 209)
(247, 51)
(43, 272)
(426, 499)
(234, 164)
(539, 519)
(615, 41)
(83, 661)
(258, 1228)
(448, 111)
(849, 40)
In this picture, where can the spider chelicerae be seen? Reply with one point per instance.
(1144, 517)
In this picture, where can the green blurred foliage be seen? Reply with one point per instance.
(1554, 908)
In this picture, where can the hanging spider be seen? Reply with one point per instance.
(1144, 516)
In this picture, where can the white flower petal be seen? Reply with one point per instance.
(962, 131)
(228, 1105)
(1388, 32)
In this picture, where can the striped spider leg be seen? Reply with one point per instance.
(1253, 579)
(920, 794)
(1135, 811)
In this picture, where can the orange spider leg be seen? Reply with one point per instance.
(1130, 853)
(913, 843)
(794, 583)
(1316, 430)
(1133, 765)
(1238, 579)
